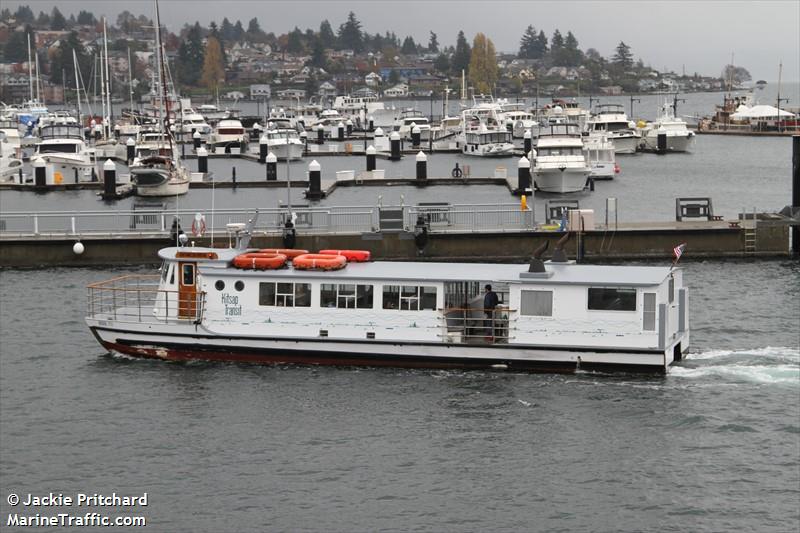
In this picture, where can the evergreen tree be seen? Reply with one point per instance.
(61, 62)
(483, 64)
(318, 58)
(24, 14)
(461, 56)
(541, 42)
(86, 18)
(528, 44)
(16, 49)
(226, 30)
(190, 57)
(350, 34)
(409, 47)
(556, 47)
(254, 31)
(57, 20)
(326, 35)
(623, 58)
(442, 63)
(571, 53)
(5, 14)
(43, 20)
(213, 69)
(295, 40)
(433, 44)
(238, 31)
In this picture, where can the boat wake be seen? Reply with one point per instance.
(768, 365)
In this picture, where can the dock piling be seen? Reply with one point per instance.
(371, 163)
(202, 160)
(272, 167)
(109, 179)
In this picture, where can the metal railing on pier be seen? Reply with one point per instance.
(437, 218)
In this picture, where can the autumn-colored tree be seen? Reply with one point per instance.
(483, 65)
(213, 69)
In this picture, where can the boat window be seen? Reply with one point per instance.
(239, 286)
(230, 131)
(164, 271)
(219, 285)
(536, 303)
(275, 294)
(346, 296)
(172, 274)
(58, 148)
(649, 312)
(612, 299)
(409, 297)
(187, 275)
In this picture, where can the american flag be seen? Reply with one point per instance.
(678, 251)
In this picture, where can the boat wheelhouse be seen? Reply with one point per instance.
(560, 164)
(553, 316)
(63, 148)
(612, 120)
(229, 133)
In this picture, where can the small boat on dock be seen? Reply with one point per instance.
(549, 316)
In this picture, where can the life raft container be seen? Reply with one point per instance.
(290, 253)
(353, 256)
(259, 261)
(319, 262)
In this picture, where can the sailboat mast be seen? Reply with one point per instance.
(162, 79)
(30, 67)
(77, 86)
(108, 79)
(130, 78)
(38, 89)
(102, 94)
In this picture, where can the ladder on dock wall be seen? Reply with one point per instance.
(750, 230)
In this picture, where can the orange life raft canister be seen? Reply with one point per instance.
(259, 261)
(319, 262)
(353, 256)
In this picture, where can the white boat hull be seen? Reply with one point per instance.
(185, 341)
(625, 144)
(561, 180)
(284, 152)
(675, 143)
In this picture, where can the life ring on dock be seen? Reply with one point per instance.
(198, 227)
(457, 172)
(290, 253)
(319, 262)
(352, 256)
(259, 261)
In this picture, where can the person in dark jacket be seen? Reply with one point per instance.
(490, 301)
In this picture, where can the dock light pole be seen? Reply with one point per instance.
(632, 101)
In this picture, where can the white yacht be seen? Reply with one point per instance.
(214, 114)
(191, 121)
(407, 120)
(612, 120)
(679, 138)
(601, 155)
(560, 163)
(482, 133)
(283, 140)
(334, 308)
(229, 133)
(10, 163)
(63, 148)
(447, 135)
(9, 129)
(518, 122)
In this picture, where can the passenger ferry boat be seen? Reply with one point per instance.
(242, 305)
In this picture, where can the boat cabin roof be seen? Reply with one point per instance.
(430, 272)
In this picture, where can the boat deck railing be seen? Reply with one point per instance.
(438, 218)
(476, 326)
(137, 298)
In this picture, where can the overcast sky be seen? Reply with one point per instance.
(693, 34)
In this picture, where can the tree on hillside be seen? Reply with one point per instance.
(433, 43)
(190, 57)
(61, 64)
(43, 20)
(442, 63)
(57, 20)
(326, 35)
(571, 55)
(350, 36)
(214, 31)
(16, 49)
(483, 64)
(542, 43)
(623, 58)
(409, 47)
(213, 69)
(318, 57)
(461, 56)
(556, 47)
(736, 74)
(24, 14)
(294, 42)
(527, 44)
(86, 18)
(226, 30)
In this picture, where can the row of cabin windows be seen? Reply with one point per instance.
(540, 303)
(347, 296)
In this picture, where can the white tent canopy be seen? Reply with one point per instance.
(760, 112)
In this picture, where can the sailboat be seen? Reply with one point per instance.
(162, 173)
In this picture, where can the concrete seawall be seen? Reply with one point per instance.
(626, 243)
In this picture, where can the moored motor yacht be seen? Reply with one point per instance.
(228, 134)
(10, 163)
(601, 156)
(243, 305)
(560, 164)
(283, 141)
(611, 119)
(677, 136)
(63, 148)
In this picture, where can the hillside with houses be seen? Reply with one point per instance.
(238, 60)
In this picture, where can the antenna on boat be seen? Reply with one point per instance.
(559, 256)
(537, 265)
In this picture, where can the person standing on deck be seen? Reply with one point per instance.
(490, 301)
